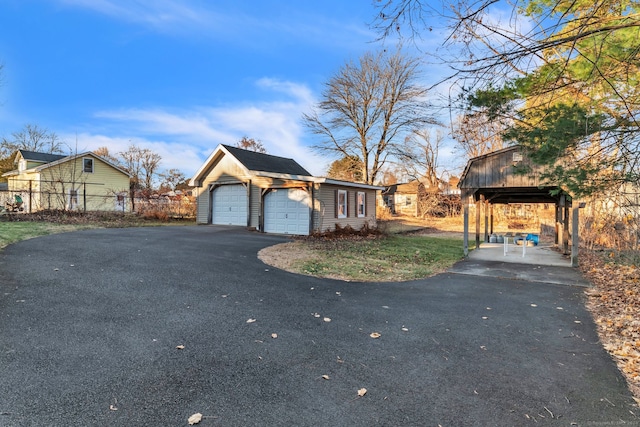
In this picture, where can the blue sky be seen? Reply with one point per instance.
(176, 76)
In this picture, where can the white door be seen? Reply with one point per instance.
(286, 211)
(229, 205)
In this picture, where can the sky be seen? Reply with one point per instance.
(178, 76)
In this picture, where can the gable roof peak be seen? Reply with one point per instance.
(261, 162)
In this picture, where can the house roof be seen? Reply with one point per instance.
(40, 157)
(261, 162)
(50, 160)
(87, 154)
(266, 165)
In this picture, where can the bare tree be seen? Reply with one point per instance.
(31, 138)
(476, 134)
(172, 178)
(251, 144)
(368, 106)
(418, 157)
(149, 163)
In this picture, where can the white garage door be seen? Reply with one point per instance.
(229, 205)
(286, 211)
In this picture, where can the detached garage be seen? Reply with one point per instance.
(276, 195)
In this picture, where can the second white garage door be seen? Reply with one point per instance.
(286, 211)
(229, 205)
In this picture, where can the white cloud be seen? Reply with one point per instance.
(185, 138)
(160, 14)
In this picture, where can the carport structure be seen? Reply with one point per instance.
(508, 176)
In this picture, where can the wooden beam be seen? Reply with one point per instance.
(491, 216)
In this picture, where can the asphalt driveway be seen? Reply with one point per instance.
(90, 323)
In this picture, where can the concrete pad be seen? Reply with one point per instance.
(540, 263)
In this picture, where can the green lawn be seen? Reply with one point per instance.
(391, 258)
(15, 231)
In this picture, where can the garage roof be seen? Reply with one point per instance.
(261, 162)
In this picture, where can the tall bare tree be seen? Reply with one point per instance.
(149, 162)
(367, 107)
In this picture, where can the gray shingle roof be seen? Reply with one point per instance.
(266, 163)
(41, 157)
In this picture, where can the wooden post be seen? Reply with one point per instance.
(485, 206)
(478, 208)
(465, 220)
(565, 232)
(557, 233)
(491, 217)
(559, 221)
(575, 240)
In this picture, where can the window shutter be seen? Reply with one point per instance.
(335, 205)
(349, 208)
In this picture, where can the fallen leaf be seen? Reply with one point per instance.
(251, 320)
(338, 293)
(405, 329)
(534, 305)
(180, 347)
(195, 419)
(325, 377)
(113, 408)
(484, 317)
(274, 336)
(316, 315)
(56, 269)
(362, 392)
(559, 308)
(577, 321)
(375, 335)
(327, 319)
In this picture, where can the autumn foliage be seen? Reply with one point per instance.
(614, 301)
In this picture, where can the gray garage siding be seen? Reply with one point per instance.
(325, 212)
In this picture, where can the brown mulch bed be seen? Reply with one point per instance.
(614, 302)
